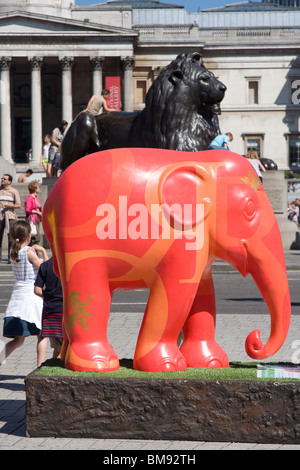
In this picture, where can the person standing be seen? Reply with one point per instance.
(9, 201)
(45, 153)
(253, 158)
(48, 286)
(33, 210)
(54, 150)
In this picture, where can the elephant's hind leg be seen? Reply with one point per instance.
(88, 297)
(199, 347)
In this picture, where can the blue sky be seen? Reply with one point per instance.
(190, 5)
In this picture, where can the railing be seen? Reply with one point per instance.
(158, 32)
(253, 32)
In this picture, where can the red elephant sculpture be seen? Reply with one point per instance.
(134, 218)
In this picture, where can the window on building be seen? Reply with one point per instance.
(254, 142)
(140, 91)
(253, 91)
(294, 150)
(142, 83)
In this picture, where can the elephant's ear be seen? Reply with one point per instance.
(183, 195)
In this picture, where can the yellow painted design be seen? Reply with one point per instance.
(253, 180)
(78, 311)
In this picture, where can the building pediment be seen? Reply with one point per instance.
(19, 22)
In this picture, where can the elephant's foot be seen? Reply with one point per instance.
(204, 354)
(94, 357)
(162, 358)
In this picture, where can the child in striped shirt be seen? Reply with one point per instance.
(48, 286)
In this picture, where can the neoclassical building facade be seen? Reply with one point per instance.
(56, 54)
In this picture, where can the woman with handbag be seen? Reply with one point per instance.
(33, 211)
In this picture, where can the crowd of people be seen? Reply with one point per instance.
(10, 201)
(50, 152)
(36, 304)
(294, 210)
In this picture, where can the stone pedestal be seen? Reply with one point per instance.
(275, 185)
(174, 409)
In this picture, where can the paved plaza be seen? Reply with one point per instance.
(124, 324)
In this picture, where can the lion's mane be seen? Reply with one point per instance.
(181, 106)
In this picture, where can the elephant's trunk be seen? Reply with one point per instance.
(266, 264)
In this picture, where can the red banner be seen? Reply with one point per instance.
(113, 84)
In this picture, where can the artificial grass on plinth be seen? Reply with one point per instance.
(236, 371)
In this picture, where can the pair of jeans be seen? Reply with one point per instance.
(2, 230)
(216, 147)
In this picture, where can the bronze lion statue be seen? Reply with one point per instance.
(180, 114)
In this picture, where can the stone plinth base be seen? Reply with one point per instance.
(275, 185)
(110, 408)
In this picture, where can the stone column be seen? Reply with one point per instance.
(36, 109)
(97, 65)
(127, 66)
(67, 101)
(5, 103)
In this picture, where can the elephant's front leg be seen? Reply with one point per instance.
(87, 299)
(199, 347)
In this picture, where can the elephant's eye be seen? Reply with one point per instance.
(250, 210)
